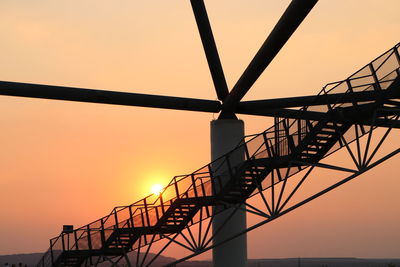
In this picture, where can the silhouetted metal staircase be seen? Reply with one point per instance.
(292, 144)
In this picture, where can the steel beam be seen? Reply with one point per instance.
(339, 116)
(286, 26)
(210, 48)
(107, 97)
(316, 100)
(269, 107)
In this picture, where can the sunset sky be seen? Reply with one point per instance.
(71, 163)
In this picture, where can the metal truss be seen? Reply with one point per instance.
(280, 193)
(284, 167)
(280, 164)
(286, 195)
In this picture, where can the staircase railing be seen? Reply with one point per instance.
(277, 141)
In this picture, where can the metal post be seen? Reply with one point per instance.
(225, 135)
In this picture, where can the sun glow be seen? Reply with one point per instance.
(157, 189)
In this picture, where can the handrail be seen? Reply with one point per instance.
(273, 140)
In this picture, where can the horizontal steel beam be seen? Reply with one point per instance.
(286, 26)
(315, 100)
(107, 97)
(270, 107)
(285, 113)
(339, 116)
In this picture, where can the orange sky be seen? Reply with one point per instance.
(71, 163)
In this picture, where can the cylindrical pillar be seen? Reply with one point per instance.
(225, 135)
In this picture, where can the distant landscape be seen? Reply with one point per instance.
(32, 259)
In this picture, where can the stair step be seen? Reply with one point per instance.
(182, 211)
(314, 146)
(318, 137)
(304, 153)
(319, 142)
(116, 244)
(123, 241)
(332, 126)
(253, 172)
(249, 176)
(313, 149)
(328, 127)
(241, 182)
(242, 187)
(244, 184)
(323, 131)
(123, 238)
(179, 215)
(172, 224)
(244, 178)
(174, 220)
(308, 156)
(186, 208)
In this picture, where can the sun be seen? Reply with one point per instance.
(157, 189)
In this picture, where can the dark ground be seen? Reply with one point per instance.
(33, 258)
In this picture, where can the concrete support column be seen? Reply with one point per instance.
(225, 135)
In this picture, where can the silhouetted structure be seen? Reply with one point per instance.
(297, 144)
